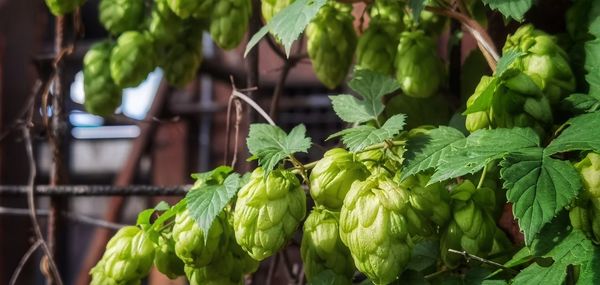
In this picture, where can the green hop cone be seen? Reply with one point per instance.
(580, 218)
(181, 60)
(118, 16)
(376, 48)
(419, 70)
(201, 9)
(373, 228)
(429, 22)
(478, 120)
(451, 239)
(165, 26)
(268, 212)
(388, 11)
(102, 95)
(127, 259)
(431, 201)
(270, 8)
(544, 59)
(332, 177)
(191, 246)
(229, 22)
(61, 7)
(331, 43)
(594, 213)
(165, 259)
(322, 248)
(132, 59)
(589, 170)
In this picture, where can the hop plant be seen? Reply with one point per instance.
(376, 47)
(431, 23)
(268, 211)
(191, 245)
(332, 177)
(181, 60)
(118, 16)
(61, 7)
(389, 11)
(544, 60)
(331, 43)
(165, 259)
(132, 59)
(419, 70)
(431, 201)
(589, 169)
(201, 9)
(229, 22)
(270, 8)
(373, 228)
(127, 259)
(102, 95)
(322, 248)
(165, 26)
(585, 214)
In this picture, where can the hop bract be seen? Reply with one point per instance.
(165, 26)
(331, 43)
(377, 48)
(589, 169)
(190, 244)
(127, 259)
(118, 16)
(102, 95)
(132, 59)
(332, 177)
(270, 8)
(181, 60)
(322, 249)
(229, 22)
(61, 7)
(544, 60)
(192, 8)
(419, 70)
(374, 229)
(268, 211)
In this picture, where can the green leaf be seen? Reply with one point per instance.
(360, 137)
(352, 110)
(424, 255)
(539, 188)
(325, 277)
(168, 214)
(574, 250)
(484, 101)
(271, 144)
(506, 60)
(581, 103)
(515, 9)
(580, 134)
(480, 148)
(215, 176)
(208, 201)
(162, 206)
(592, 58)
(144, 217)
(289, 23)
(372, 86)
(424, 152)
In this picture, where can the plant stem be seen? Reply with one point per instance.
(482, 177)
(483, 260)
(254, 106)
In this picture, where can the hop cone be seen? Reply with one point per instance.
(190, 244)
(229, 268)
(375, 231)
(478, 120)
(268, 211)
(201, 9)
(431, 201)
(132, 59)
(181, 60)
(322, 248)
(585, 215)
(165, 259)
(390, 12)
(589, 169)
(270, 8)
(419, 70)
(61, 7)
(229, 22)
(431, 23)
(118, 16)
(332, 177)
(376, 48)
(544, 60)
(331, 43)
(127, 258)
(166, 27)
(102, 95)
(472, 227)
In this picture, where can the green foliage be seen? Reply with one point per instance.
(515, 9)
(360, 137)
(271, 144)
(577, 135)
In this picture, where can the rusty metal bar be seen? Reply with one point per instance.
(95, 190)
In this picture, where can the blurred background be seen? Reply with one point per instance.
(158, 137)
